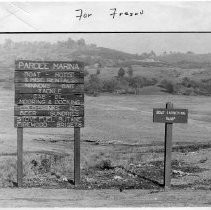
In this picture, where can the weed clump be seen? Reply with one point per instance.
(104, 164)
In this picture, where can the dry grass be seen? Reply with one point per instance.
(118, 132)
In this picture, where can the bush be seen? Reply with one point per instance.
(130, 72)
(167, 85)
(86, 73)
(191, 87)
(109, 85)
(189, 91)
(94, 85)
(121, 72)
(189, 83)
(139, 81)
(104, 164)
(98, 71)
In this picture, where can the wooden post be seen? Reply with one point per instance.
(20, 157)
(168, 151)
(76, 156)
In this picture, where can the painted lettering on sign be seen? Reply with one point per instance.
(49, 94)
(43, 110)
(32, 65)
(48, 121)
(48, 65)
(50, 80)
(48, 113)
(48, 77)
(48, 88)
(65, 66)
(170, 115)
(42, 99)
(44, 107)
(160, 112)
(53, 102)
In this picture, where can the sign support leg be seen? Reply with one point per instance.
(20, 157)
(76, 156)
(168, 151)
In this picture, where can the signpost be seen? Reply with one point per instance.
(49, 94)
(169, 116)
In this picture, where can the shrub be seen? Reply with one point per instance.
(130, 72)
(94, 85)
(121, 72)
(104, 164)
(86, 73)
(109, 85)
(136, 82)
(98, 71)
(167, 85)
(189, 91)
(189, 83)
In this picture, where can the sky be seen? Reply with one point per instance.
(158, 16)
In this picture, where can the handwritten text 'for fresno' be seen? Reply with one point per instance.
(114, 13)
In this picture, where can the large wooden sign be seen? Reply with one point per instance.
(170, 115)
(49, 94)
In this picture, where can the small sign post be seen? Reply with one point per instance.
(49, 94)
(168, 148)
(169, 116)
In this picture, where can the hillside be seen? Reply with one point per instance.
(168, 66)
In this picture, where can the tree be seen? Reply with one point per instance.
(86, 73)
(94, 84)
(93, 45)
(70, 43)
(121, 72)
(8, 43)
(144, 55)
(152, 54)
(137, 83)
(110, 85)
(168, 85)
(98, 71)
(130, 71)
(190, 52)
(81, 42)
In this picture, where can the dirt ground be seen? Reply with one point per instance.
(36, 197)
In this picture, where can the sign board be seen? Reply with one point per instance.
(49, 94)
(162, 115)
(169, 115)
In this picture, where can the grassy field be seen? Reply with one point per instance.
(119, 142)
(170, 73)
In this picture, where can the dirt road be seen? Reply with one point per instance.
(38, 197)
